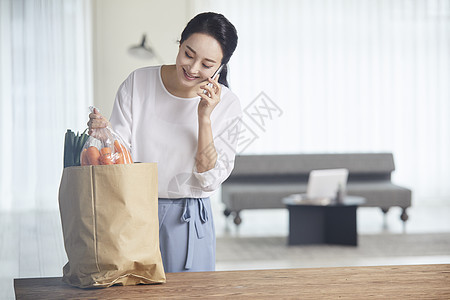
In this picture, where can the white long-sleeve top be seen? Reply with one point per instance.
(163, 128)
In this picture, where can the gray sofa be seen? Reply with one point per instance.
(261, 181)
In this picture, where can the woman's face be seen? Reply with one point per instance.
(199, 56)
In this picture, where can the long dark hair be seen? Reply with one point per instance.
(218, 27)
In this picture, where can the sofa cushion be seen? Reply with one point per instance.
(382, 194)
(358, 163)
(251, 196)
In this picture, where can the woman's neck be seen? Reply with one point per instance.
(170, 81)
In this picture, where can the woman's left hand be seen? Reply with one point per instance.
(210, 99)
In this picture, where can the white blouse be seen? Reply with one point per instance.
(163, 128)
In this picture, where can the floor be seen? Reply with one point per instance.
(427, 220)
(422, 219)
(31, 243)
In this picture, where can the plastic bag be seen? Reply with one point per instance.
(105, 147)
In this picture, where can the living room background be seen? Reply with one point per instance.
(347, 75)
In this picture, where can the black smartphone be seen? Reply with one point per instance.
(217, 72)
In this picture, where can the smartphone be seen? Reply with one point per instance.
(217, 72)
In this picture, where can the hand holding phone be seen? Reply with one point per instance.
(217, 72)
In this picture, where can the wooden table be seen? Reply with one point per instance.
(385, 282)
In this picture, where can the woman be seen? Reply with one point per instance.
(168, 114)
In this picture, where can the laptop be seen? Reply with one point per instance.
(325, 183)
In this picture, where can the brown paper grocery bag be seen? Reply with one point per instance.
(109, 216)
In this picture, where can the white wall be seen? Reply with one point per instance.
(347, 76)
(119, 24)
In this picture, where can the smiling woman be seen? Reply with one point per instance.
(165, 115)
(198, 57)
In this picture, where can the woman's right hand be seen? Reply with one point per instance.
(96, 121)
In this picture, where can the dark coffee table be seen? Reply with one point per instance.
(321, 221)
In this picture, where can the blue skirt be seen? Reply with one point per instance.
(186, 235)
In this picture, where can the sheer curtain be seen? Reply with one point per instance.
(45, 88)
(349, 76)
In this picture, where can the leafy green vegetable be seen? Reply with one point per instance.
(73, 144)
